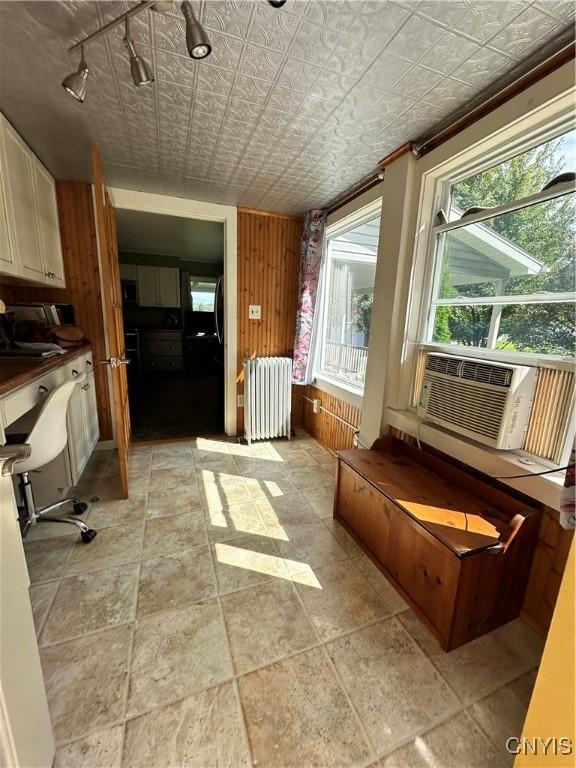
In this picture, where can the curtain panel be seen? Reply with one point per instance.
(310, 263)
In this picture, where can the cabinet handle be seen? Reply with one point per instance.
(85, 386)
(42, 389)
(75, 372)
(88, 362)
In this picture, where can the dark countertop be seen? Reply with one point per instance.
(17, 371)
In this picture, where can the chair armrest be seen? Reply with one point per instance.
(10, 454)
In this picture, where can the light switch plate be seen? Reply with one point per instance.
(254, 312)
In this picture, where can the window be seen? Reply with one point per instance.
(347, 297)
(202, 293)
(502, 277)
(505, 272)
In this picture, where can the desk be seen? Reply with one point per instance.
(25, 384)
(457, 549)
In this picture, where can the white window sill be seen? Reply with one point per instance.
(349, 394)
(546, 489)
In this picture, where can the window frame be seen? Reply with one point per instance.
(435, 194)
(340, 227)
(196, 278)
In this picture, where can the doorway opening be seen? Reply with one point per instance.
(171, 270)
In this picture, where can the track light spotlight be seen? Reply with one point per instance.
(197, 40)
(141, 72)
(75, 84)
(276, 3)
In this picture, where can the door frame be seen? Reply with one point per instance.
(147, 202)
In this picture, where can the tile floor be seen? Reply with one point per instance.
(223, 618)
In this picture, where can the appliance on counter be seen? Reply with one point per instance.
(129, 290)
(32, 322)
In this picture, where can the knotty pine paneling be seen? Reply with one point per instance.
(323, 426)
(268, 269)
(80, 251)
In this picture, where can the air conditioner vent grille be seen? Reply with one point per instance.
(467, 406)
(497, 375)
(450, 366)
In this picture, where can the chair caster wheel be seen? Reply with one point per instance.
(80, 507)
(88, 535)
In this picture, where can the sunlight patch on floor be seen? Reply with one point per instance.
(271, 565)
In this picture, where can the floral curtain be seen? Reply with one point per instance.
(568, 500)
(310, 262)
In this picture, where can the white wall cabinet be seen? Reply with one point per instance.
(158, 286)
(31, 247)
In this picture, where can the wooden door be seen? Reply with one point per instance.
(147, 286)
(106, 224)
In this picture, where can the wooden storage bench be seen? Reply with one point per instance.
(457, 549)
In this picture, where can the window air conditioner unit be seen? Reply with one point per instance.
(488, 402)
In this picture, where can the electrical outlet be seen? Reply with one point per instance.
(240, 401)
(254, 312)
(316, 406)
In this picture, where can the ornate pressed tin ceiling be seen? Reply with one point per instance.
(292, 107)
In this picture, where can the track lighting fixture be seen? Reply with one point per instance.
(197, 41)
(75, 83)
(276, 3)
(141, 72)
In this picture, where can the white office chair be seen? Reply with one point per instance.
(46, 440)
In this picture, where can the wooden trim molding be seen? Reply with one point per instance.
(258, 212)
(403, 149)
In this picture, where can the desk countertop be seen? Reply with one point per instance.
(17, 371)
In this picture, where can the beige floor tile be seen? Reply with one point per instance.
(110, 489)
(200, 731)
(220, 489)
(270, 488)
(311, 478)
(280, 512)
(284, 449)
(309, 546)
(502, 713)
(214, 462)
(112, 546)
(140, 461)
(235, 521)
(395, 688)
(86, 682)
(92, 601)
(300, 460)
(173, 533)
(266, 623)
(101, 750)
(474, 669)
(454, 744)
(177, 654)
(171, 458)
(343, 538)
(522, 640)
(43, 531)
(297, 715)
(177, 478)
(174, 581)
(41, 597)
(381, 584)
(321, 500)
(173, 502)
(246, 562)
(260, 469)
(103, 514)
(339, 598)
(46, 559)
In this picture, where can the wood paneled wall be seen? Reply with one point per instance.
(324, 426)
(268, 270)
(79, 246)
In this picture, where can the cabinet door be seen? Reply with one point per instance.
(48, 227)
(147, 287)
(90, 411)
(129, 271)
(77, 440)
(8, 263)
(169, 286)
(22, 205)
